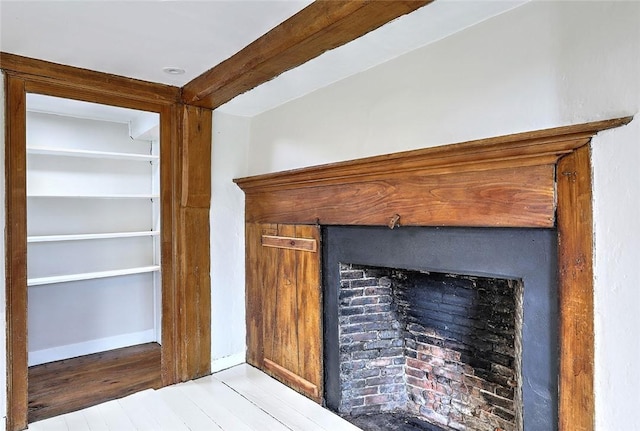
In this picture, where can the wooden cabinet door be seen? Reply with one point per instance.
(284, 320)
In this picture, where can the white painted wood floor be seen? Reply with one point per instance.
(241, 398)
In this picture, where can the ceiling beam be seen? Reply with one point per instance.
(321, 26)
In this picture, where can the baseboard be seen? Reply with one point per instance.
(38, 357)
(227, 362)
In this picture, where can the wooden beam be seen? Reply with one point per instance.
(321, 26)
(196, 158)
(192, 235)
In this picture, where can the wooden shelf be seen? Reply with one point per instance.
(91, 275)
(92, 154)
(81, 237)
(112, 196)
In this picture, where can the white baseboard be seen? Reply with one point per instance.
(227, 362)
(92, 346)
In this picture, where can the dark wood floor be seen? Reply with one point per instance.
(73, 384)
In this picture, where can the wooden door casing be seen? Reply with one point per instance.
(185, 199)
(284, 311)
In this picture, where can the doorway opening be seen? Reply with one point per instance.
(93, 252)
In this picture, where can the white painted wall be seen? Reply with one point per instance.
(229, 160)
(543, 65)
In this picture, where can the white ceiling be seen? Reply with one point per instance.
(138, 39)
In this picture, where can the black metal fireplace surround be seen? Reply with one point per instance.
(529, 255)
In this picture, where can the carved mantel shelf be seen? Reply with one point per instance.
(534, 179)
(507, 181)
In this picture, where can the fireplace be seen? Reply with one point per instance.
(538, 181)
(455, 327)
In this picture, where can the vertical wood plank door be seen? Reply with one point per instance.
(284, 321)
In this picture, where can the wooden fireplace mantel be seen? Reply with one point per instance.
(508, 181)
(538, 179)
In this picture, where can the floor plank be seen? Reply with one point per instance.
(214, 408)
(72, 384)
(270, 402)
(239, 399)
(115, 417)
(151, 402)
(262, 382)
(139, 416)
(192, 415)
(257, 419)
(76, 421)
(94, 419)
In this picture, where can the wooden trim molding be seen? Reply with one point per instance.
(46, 72)
(321, 26)
(544, 173)
(507, 181)
(287, 242)
(530, 148)
(186, 301)
(575, 266)
(292, 378)
(196, 157)
(16, 253)
(193, 253)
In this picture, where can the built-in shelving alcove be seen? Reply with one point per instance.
(93, 226)
(167, 186)
(93, 250)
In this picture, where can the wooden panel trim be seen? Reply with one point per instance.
(196, 157)
(57, 89)
(48, 72)
(575, 262)
(523, 149)
(169, 179)
(194, 330)
(292, 379)
(192, 237)
(511, 197)
(16, 253)
(321, 26)
(286, 242)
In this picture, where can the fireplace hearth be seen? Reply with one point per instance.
(423, 325)
(394, 421)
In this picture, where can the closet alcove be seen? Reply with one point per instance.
(93, 253)
(179, 319)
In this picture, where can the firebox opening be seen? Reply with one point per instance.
(525, 259)
(429, 348)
